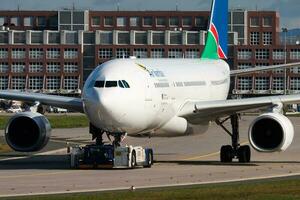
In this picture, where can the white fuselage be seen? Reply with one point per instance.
(158, 89)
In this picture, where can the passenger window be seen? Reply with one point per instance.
(121, 84)
(125, 84)
(99, 84)
(109, 84)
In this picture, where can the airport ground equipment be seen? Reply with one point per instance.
(109, 156)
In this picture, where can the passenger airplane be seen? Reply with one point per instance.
(163, 97)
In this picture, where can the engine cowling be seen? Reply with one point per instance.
(27, 132)
(271, 132)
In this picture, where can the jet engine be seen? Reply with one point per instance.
(271, 132)
(27, 132)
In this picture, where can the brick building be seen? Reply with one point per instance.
(55, 51)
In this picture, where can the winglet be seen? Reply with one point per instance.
(216, 41)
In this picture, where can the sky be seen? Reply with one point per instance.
(289, 10)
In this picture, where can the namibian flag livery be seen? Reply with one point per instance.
(216, 41)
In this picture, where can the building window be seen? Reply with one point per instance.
(295, 83)
(41, 21)
(3, 53)
(187, 21)
(105, 53)
(70, 67)
(18, 82)
(53, 53)
(244, 65)
(106, 37)
(71, 37)
(244, 54)
(123, 53)
(267, 38)
(262, 83)
(36, 53)
(254, 21)
(70, 83)
(140, 53)
(70, 53)
(3, 82)
(121, 21)
(108, 21)
(161, 21)
(3, 37)
(18, 67)
(175, 38)
(53, 82)
(19, 37)
(3, 67)
(267, 21)
(18, 53)
(295, 54)
(37, 37)
(157, 53)
(2, 21)
(123, 38)
(254, 38)
(158, 38)
(192, 53)
(193, 38)
(53, 67)
(28, 21)
(295, 70)
(244, 83)
(134, 21)
(53, 37)
(280, 70)
(262, 54)
(95, 21)
(278, 83)
(147, 21)
(140, 38)
(35, 83)
(15, 21)
(200, 22)
(35, 67)
(174, 21)
(278, 54)
(175, 53)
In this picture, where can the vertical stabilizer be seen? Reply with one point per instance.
(217, 36)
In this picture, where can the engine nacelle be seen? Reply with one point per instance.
(27, 132)
(271, 132)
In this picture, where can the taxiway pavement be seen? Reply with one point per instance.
(179, 161)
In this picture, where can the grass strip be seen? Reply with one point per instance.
(61, 121)
(267, 190)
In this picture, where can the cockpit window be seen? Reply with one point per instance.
(99, 84)
(125, 84)
(121, 84)
(109, 84)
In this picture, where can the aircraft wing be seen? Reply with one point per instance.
(195, 111)
(70, 103)
(265, 68)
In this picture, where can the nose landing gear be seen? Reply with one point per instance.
(97, 134)
(235, 150)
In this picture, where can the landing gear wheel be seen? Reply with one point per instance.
(226, 154)
(244, 154)
(133, 159)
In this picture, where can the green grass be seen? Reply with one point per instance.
(268, 190)
(57, 121)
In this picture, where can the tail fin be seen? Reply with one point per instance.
(216, 40)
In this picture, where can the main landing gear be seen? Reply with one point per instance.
(97, 134)
(234, 151)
